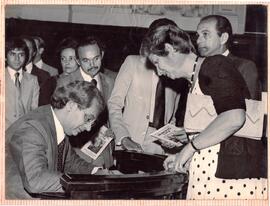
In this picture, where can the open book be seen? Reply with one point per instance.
(165, 134)
(94, 148)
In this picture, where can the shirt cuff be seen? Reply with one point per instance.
(120, 140)
(95, 169)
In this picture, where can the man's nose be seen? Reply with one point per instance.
(199, 39)
(17, 57)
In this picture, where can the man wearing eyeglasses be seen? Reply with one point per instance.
(89, 55)
(38, 151)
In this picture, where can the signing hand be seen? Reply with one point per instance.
(129, 144)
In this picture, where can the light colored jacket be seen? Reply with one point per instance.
(18, 105)
(129, 105)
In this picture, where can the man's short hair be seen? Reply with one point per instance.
(30, 39)
(90, 40)
(223, 25)
(66, 43)
(155, 24)
(16, 43)
(154, 41)
(81, 92)
(41, 43)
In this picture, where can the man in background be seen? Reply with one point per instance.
(215, 37)
(30, 68)
(40, 45)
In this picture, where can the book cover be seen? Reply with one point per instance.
(166, 133)
(94, 148)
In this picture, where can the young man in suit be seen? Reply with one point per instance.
(34, 158)
(214, 37)
(132, 103)
(21, 88)
(40, 45)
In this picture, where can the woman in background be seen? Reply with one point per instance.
(66, 51)
(67, 48)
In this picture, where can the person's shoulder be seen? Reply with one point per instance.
(135, 58)
(216, 62)
(41, 72)
(65, 79)
(30, 77)
(217, 66)
(111, 74)
(240, 61)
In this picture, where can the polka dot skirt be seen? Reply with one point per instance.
(204, 185)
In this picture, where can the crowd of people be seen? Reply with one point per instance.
(45, 109)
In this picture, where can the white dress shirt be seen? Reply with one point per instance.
(60, 134)
(88, 78)
(39, 64)
(226, 53)
(12, 73)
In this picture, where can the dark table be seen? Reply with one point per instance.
(143, 178)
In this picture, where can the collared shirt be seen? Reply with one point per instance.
(39, 64)
(226, 53)
(12, 73)
(29, 67)
(88, 78)
(60, 134)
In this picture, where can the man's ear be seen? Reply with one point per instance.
(71, 106)
(40, 50)
(224, 38)
(102, 54)
(169, 48)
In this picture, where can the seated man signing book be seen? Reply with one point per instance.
(38, 151)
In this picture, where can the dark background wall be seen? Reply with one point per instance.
(122, 41)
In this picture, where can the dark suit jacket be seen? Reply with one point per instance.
(31, 156)
(46, 90)
(41, 75)
(249, 72)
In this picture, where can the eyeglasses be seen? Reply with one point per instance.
(89, 118)
(93, 60)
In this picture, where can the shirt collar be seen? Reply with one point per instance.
(87, 77)
(12, 73)
(29, 67)
(226, 53)
(60, 134)
(39, 64)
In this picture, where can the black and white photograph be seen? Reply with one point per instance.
(72, 70)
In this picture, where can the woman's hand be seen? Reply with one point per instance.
(183, 159)
(168, 163)
(179, 136)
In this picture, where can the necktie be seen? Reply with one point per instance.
(93, 81)
(159, 112)
(60, 148)
(17, 81)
